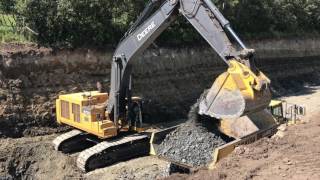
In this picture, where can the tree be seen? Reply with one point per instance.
(7, 6)
(75, 23)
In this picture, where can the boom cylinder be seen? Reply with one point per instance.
(224, 22)
(235, 36)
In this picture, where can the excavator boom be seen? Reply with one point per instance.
(227, 97)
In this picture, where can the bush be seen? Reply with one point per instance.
(7, 6)
(271, 17)
(77, 23)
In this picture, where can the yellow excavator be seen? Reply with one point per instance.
(109, 126)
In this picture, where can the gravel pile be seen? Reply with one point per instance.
(194, 141)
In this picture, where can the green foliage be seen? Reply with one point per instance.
(7, 20)
(8, 29)
(272, 17)
(79, 22)
(7, 6)
(75, 23)
(7, 35)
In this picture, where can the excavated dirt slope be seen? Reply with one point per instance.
(169, 80)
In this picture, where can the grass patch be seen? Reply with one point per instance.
(9, 31)
(7, 20)
(8, 35)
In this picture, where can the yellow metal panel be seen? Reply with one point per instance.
(58, 111)
(82, 96)
(222, 152)
(86, 121)
(275, 103)
(236, 92)
(152, 149)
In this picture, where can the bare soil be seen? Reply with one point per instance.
(144, 168)
(18, 49)
(35, 158)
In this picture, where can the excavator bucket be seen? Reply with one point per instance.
(245, 125)
(236, 93)
(245, 130)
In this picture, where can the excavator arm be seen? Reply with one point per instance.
(204, 16)
(136, 41)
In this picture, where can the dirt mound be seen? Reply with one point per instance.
(194, 141)
(34, 158)
(18, 49)
(144, 168)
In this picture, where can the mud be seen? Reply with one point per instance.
(194, 142)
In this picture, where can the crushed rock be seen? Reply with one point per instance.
(193, 142)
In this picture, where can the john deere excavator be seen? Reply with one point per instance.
(109, 126)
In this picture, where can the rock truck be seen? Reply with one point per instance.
(109, 126)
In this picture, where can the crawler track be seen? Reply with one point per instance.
(73, 141)
(58, 141)
(110, 152)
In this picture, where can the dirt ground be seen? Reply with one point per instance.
(35, 158)
(144, 168)
(294, 156)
